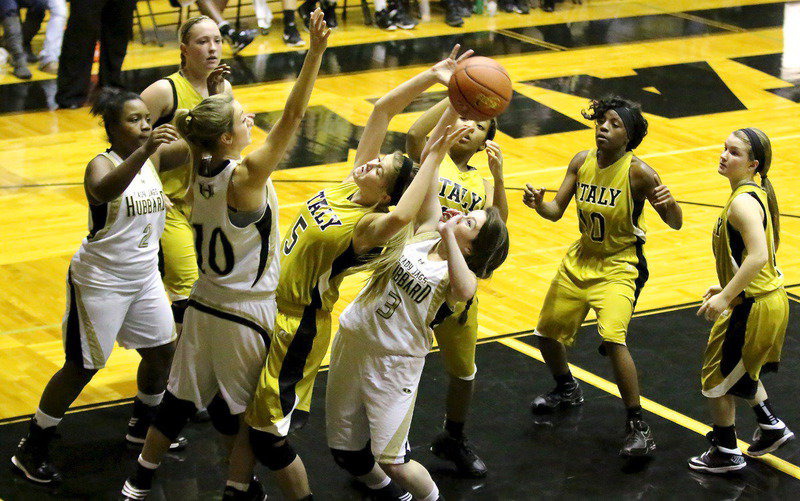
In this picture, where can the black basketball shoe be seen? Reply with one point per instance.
(568, 396)
(32, 458)
(716, 461)
(766, 441)
(638, 439)
(457, 450)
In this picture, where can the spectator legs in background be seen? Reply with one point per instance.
(115, 33)
(77, 53)
(54, 35)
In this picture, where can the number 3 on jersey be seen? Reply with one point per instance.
(291, 241)
(208, 253)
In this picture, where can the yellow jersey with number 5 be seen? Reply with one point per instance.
(610, 221)
(318, 249)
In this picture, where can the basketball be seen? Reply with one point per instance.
(480, 88)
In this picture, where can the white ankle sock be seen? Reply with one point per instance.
(45, 421)
(147, 464)
(433, 495)
(777, 426)
(150, 400)
(237, 485)
(380, 485)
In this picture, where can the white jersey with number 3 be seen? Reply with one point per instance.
(121, 249)
(230, 258)
(400, 321)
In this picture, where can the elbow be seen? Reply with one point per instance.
(463, 294)
(760, 260)
(677, 225)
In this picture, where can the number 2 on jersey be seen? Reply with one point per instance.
(146, 236)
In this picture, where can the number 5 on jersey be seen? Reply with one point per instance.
(290, 242)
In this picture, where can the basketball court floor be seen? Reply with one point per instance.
(700, 68)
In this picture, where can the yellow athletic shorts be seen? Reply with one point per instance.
(178, 260)
(457, 341)
(299, 344)
(744, 341)
(568, 302)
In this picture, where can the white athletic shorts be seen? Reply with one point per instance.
(139, 317)
(222, 350)
(370, 396)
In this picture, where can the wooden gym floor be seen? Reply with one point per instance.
(701, 69)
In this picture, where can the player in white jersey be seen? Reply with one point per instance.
(385, 334)
(231, 309)
(114, 291)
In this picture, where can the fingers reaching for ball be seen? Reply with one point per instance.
(533, 197)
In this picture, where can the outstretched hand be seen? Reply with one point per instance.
(450, 137)
(318, 31)
(495, 155)
(163, 134)
(216, 80)
(444, 69)
(533, 197)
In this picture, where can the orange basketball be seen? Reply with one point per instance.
(480, 88)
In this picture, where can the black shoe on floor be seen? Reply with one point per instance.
(715, 461)
(32, 458)
(508, 6)
(452, 16)
(548, 5)
(383, 20)
(523, 7)
(401, 18)
(459, 452)
(638, 439)
(571, 396)
(304, 10)
(240, 40)
(464, 8)
(766, 441)
(291, 36)
(329, 14)
(139, 423)
(254, 493)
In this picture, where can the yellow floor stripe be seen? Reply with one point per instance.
(650, 405)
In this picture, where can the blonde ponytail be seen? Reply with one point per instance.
(774, 212)
(382, 265)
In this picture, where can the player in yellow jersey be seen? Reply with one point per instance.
(463, 188)
(605, 269)
(336, 229)
(749, 307)
(200, 75)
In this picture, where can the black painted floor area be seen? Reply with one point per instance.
(570, 456)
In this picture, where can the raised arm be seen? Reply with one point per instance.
(431, 211)
(553, 210)
(463, 283)
(497, 190)
(251, 176)
(396, 100)
(646, 184)
(375, 229)
(418, 133)
(104, 182)
(747, 217)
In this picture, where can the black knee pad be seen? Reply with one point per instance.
(179, 310)
(272, 451)
(172, 415)
(221, 417)
(356, 463)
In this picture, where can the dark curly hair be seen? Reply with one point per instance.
(109, 104)
(635, 123)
